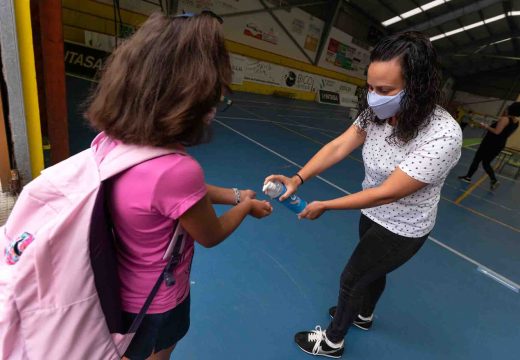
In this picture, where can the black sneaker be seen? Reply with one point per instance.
(229, 102)
(315, 342)
(358, 321)
(494, 184)
(465, 179)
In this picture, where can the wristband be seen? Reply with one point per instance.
(301, 179)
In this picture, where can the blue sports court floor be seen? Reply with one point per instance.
(277, 276)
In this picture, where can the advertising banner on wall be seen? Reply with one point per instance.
(83, 61)
(347, 56)
(261, 72)
(344, 54)
(328, 97)
(237, 65)
(261, 32)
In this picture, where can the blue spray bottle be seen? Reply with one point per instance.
(275, 189)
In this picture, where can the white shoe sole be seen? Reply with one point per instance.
(360, 327)
(331, 356)
(356, 325)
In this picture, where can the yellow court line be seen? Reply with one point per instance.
(470, 189)
(473, 187)
(487, 217)
(478, 213)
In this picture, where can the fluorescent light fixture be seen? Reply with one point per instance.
(513, 13)
(413, 12)
(474, 25)
(453, 32)
(391, 21)
(432, 4)
(471, 26)
(495, 18)
(500, 41)
(437, 37)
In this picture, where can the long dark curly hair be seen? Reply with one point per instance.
(422, 83)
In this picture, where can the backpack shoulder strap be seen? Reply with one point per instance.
(123, 156)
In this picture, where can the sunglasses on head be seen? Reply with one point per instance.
(203, 12)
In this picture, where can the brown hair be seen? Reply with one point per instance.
(157, 86)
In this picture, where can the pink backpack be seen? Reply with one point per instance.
(60, 300)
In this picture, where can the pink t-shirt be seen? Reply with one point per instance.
(146, 201)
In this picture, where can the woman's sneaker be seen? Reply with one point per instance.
(359, 321)
(465, 179)
(228, 103)
(315, 342)
(494, 184)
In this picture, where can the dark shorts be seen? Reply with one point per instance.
(158, 331)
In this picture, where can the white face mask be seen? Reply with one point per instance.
(385, 106)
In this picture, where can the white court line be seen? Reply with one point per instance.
(504, 280)
(455, 187)
(280, 123)
(280, 155)
(242, 101)
(342, 119)
(482, 268)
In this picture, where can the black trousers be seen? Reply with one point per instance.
(363, 280)
(485, 154)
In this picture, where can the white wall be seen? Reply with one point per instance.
(480, 104)
(258, 30)
(261, 31)
(138, 6)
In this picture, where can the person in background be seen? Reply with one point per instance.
(493, 143)
(227, 101)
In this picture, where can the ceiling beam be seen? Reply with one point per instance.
(477, 44)
(282, 7)
(494, 72)
(513, 56)
(484, 89)
(333, 10)
(490, 33)
(287, 32)
(468, 9)
(395, 12)
(351, 6)
(512, 24)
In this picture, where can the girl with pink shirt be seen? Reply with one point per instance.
(160, 88)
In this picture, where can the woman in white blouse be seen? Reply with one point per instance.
(409, 146)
